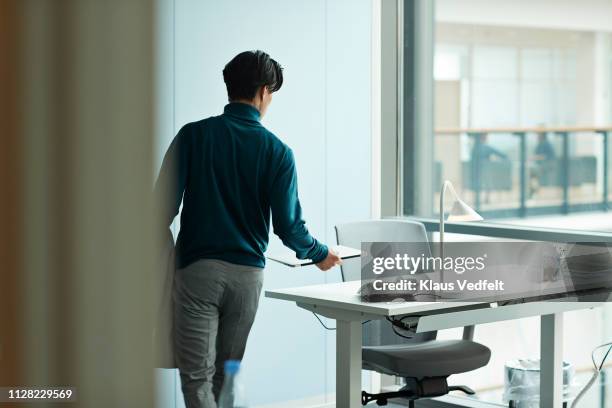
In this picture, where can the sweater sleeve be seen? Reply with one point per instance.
(287, 213)
(172, 178)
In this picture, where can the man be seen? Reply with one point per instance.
(543, 164)
(544, 149)
(231, 173)
(482, 154)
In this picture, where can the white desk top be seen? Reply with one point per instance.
(344, 296)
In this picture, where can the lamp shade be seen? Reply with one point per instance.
(462, 212)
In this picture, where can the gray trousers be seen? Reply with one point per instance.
(214, 307)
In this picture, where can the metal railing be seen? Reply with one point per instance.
(476, 135)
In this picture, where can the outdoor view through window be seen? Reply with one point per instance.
(522, 113)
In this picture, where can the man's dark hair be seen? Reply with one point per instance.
(248, 71)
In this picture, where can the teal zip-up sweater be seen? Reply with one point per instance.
(231, 174)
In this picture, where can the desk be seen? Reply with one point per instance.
(340, 301)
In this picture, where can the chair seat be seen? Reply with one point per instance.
(435, 358)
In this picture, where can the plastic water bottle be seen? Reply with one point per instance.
(232, 393)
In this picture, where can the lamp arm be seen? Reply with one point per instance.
(441, 225)
(445, 185)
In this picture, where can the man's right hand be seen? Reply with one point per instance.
(330, 261)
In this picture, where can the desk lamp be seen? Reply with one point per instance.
(460, 212)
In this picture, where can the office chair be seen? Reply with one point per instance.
(424, 362)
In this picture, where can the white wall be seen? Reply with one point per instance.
(322, 112)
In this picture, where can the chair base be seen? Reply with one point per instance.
(415, 389)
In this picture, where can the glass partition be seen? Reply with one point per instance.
(522, 121)
(522, 113)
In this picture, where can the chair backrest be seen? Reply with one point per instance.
(380, 332)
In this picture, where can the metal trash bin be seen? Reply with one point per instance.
(522, 383)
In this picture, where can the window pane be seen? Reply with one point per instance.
(523, 115)
(495, 62)
(536, 63)
(523, 90)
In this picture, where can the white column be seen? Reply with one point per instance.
(551, 360)
(348, 364)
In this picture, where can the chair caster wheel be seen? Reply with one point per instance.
(365, 398)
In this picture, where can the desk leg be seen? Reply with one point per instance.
(551, 360)
(348, 364)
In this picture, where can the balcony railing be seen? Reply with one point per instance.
(564, 172)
